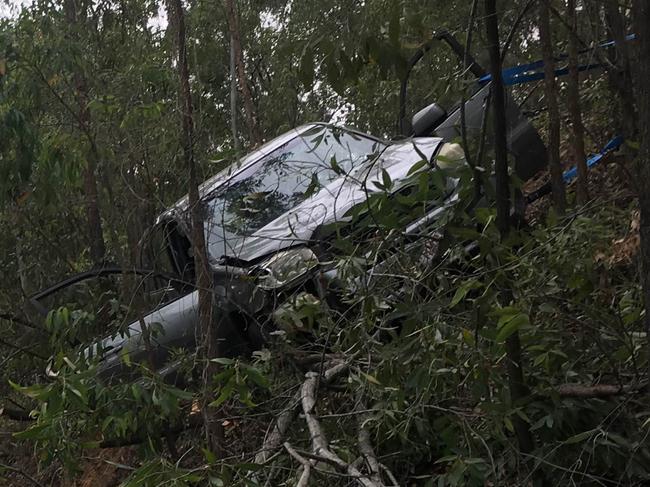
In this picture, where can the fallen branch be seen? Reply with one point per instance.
(365, 446)
(273, 441)
(306, 466)
(596, 391)
(319, 442)
(390, 475)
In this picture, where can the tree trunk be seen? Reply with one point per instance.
(93, 217)
(518, 389)
(247, 97)
(499, 119)
(233, 96)
(573, 104)
(206, 334)
(621, 76)
(550, 93)
(642, 28)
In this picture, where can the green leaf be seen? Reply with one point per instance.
(226, 393)
(32, 432)
(580, 437)
(180, 394)
(223, 361)
(370, 378)
(256, 376)
(209, 456)
(511, 325)
(462, 291)
(417, 166)
(335, 166)
(386, 180)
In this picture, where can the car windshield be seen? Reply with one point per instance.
(281, 180)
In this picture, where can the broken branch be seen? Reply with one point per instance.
(306, 466)
(365, 446)
(596, 391)
(319, 442)
(274, 439)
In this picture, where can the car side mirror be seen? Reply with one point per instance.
(427, 119)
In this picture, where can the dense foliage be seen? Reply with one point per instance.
(417, 349)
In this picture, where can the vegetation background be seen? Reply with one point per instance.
(524, 364)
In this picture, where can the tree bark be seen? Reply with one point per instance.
(642, 165)
(233, 96)
(517, 385)
(573, 104)
(550, 93)
(93, 217)
(247, 96)
(621, 76)
(498, 119)
(206, 335)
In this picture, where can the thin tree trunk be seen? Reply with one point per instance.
(247, 97)
(206, 334)
(550, 93)
(499, 119)
(573, 104)
(621, 76)
(93, 217)
(642, 28)
(518, 389)
(233, 96)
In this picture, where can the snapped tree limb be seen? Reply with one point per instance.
(597, 390)
(273, 440)
(365, 446)
(306, 466)
(319, 442)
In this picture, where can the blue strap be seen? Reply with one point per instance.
(612, 145)
(525, 73)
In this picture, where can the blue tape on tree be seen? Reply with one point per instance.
(612, 145)
(525, 73)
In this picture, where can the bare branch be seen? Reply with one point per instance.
(306, 466)
(273, 441)
(515, 26)
(595, 391)
(22, 349)
(390, 475)
(319, 442)
(365, 446)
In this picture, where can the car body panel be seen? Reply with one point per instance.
(524, 142)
